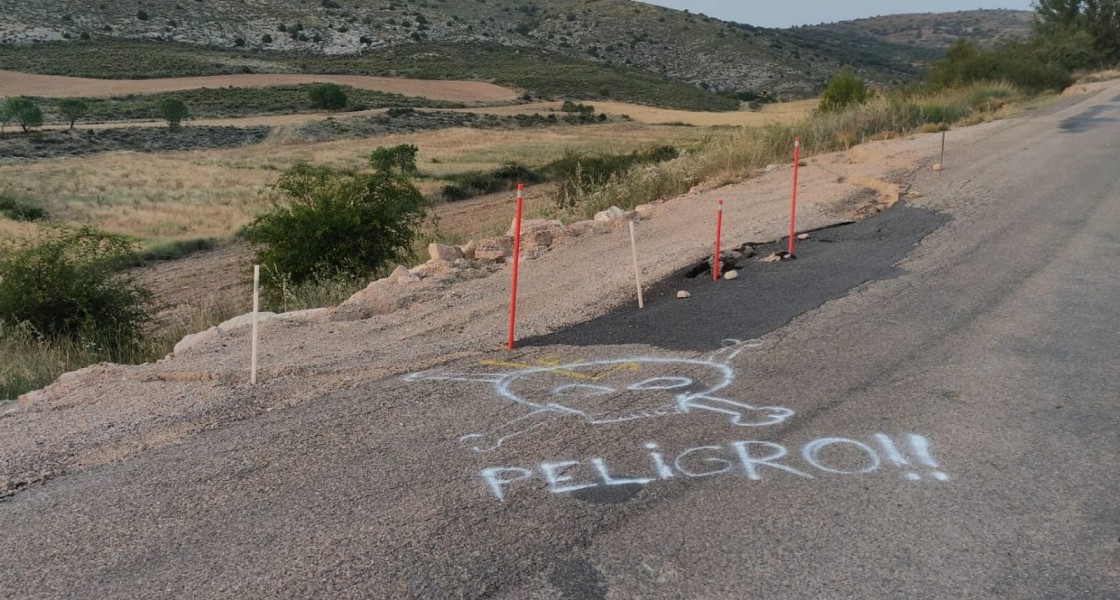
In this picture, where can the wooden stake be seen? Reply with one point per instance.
(637, 273)
(942, 161)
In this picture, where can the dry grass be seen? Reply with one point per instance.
(733, 158)
(786, 112)
(211, 194)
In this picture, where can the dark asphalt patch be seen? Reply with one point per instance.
(608, 494)
(578, 578)
(1087, 121)
(766, 296)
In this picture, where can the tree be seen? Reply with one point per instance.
(174, 112)
(68, 283)
(1098, 19)
(72, 109)
(400, 159)
(328, 96)
(23, 111)
(844, 90)
(323, 224)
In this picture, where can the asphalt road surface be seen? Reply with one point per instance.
(935, 416)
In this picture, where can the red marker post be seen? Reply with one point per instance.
(716, 262)
(516, 261)
(793, 204)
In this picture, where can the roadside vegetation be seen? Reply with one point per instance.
(969, 85)
(64, 300)
(324, 225)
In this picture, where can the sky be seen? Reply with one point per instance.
(787, 13)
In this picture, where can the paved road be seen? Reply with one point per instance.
(948, 429)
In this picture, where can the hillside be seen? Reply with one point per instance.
(614, 37)
(937, 30)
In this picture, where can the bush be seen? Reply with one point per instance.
(72, 109)
(174, 112)
(400, 159)
(1015, 62)
(68, 285)
(504, 178)
(24, 111)
(580, 175)
(327, 96)
(844, 90)
(18, 210)
(325, 225)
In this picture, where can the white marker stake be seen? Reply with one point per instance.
(256, 308)
(637, 273)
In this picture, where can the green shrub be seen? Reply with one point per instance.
(72, 109)
(18, 210)
(175, 249)
(174, 112)
(844, 90)
(1023, 64)
(400, 159)
(477, 183)
(68, 285)
(23, 111)
(325, 225)
(327, 96)
(579, 175)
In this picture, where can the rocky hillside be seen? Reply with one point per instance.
(938, 30)
(675, 45)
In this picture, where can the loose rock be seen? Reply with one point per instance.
(731, 275)
(580, 228)
(444, 252)
(615, 214)
(245, 320)
(201, 337)
(683, 294)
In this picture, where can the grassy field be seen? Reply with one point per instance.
(211, 194)
(540, 73)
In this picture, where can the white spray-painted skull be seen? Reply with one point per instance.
(616, 390)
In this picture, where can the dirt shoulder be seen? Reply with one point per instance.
(108, 412)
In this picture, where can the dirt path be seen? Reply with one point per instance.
(54, 86)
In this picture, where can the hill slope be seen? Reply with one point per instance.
(938, 30)
(614, 39)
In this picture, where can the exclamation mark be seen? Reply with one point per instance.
(893, 455)
(920, 446)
